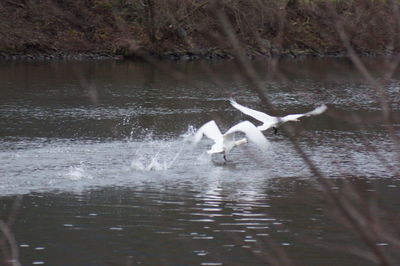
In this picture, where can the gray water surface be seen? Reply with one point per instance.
(95, 152)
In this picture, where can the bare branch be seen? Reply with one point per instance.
(5, 229)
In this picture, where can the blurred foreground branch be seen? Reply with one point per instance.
(361, 216)
(8, 244)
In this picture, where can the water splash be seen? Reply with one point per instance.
(77, 173)
(148, 163)
(156, 155)
(189, 132)
(159, 155)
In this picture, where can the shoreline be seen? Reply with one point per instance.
(190, 31)
(172, 56)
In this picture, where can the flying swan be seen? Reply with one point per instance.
(273, 121)
(224, 143)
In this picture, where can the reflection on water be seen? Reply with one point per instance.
(97, 150)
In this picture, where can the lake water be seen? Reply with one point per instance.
(94, 154)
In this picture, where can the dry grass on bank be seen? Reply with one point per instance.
(158, 27)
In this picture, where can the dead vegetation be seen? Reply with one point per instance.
(165, 27)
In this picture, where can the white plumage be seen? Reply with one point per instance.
(224, 143)
(273, 121)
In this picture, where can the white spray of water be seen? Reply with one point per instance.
(159, 155)
(77, 173)
(156, 156)
(189, 132)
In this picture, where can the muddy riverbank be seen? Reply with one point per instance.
(191, 30)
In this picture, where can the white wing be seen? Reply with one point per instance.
(252, 133)
(263, 117)
(294, 117)
(210, 129)
(268, 120)
(317, 111)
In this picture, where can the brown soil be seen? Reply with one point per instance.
(175, 29)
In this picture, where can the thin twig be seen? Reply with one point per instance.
(5, 229)
(344, 206)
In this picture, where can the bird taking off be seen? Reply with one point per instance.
(273, 121)
(224, 143)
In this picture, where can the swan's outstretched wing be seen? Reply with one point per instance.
(263, 117)
(317, 111)
(210, 129)
(252, 133)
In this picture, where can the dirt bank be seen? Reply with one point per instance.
(188, 30)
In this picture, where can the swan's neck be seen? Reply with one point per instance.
(240, 142)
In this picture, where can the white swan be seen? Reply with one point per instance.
(224, 143)
(273, 121)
